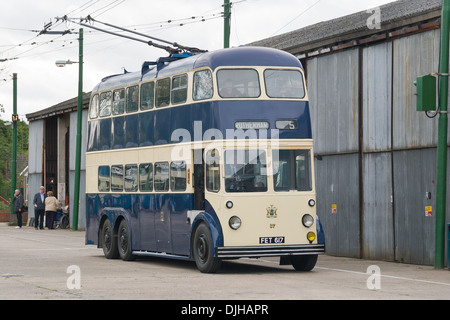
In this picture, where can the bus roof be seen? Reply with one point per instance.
(241, 56)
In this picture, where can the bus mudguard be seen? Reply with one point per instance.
(320, 233)
(211, 220)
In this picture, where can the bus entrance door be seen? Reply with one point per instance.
(199, 180)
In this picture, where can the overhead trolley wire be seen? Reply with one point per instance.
(108, 5)
(172, 47)
(301, 13)
(83, 7)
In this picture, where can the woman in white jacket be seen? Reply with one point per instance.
(51, 205)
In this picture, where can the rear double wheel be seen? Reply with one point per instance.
(109, 243)
(116, 245)
(203, 250)
(124, 242)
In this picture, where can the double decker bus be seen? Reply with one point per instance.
(204, 157)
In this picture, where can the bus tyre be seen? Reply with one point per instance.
(124, 242)
(203, 251)
(304, 263)
(109, 244)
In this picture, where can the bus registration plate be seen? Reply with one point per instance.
(271, 240)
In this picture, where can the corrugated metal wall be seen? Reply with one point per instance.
(376, 153)
(35, 165)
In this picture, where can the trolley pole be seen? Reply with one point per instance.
(227, 24)
(442, 139)
(76, 195)
(14, 143)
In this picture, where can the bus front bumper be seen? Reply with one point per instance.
(269, 251)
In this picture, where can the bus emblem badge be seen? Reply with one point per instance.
(271, 212)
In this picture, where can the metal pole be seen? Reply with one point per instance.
(227, 17)
(14, 143)
(442, 140)
(76, 195)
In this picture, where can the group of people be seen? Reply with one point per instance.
(43, 204)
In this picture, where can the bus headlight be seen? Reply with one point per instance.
(312, 202)
(229, 204)
(311, 237)
(234, 222)
(307, 220)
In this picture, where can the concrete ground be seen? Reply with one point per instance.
(56, 264)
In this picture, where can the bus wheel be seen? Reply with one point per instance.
(304, 263)
(109, 245)
(123, 242)
(203, 251)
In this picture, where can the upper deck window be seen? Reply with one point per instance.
(238, 83)
(179, 89)
(203, 85)
(284, 84)
(147, 95)
(132, 99)
(93, 112)
(118, 102)
(105, 104)
(163, 93)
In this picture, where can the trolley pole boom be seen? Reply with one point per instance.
(173, 48)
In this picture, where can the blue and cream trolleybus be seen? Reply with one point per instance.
(204, 157)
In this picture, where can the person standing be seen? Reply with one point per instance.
(51, 205)
(39, 208)
(18, 207)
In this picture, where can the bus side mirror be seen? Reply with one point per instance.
(426, 93)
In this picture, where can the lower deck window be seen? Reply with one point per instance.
(292, 170)
(146, 177)
(213, 171)
(117, 178)
(131, 178)
(178, 176)
(245, 171)
(104, 179)
(161, 176)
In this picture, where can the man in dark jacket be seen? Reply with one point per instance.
(39, 208)
(18, 207)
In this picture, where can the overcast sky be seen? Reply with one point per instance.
(41, 84)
